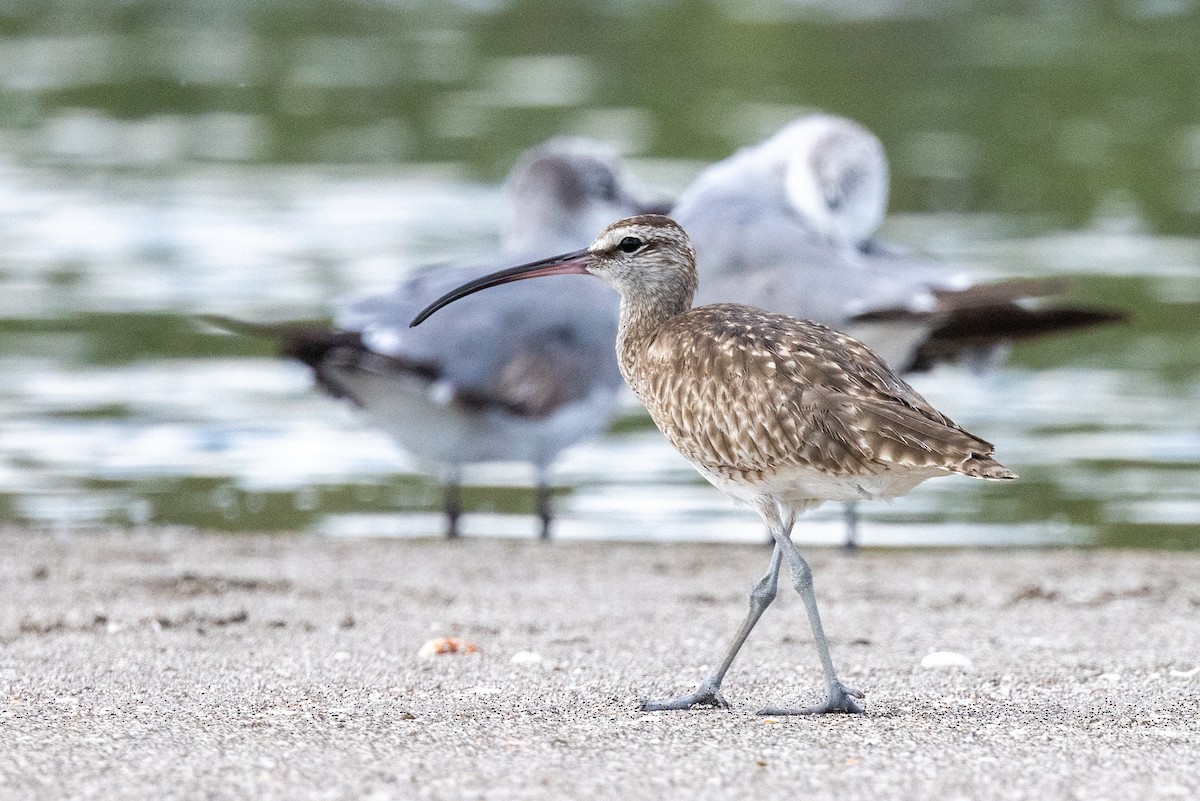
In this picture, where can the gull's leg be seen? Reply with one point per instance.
(542, 502)
(452, 500)
(709, 691)
(850, 510)
(841, 698)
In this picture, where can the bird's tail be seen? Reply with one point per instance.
(982, 466)
(306, 341)
(981, 318)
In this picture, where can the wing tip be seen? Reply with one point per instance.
(980, 466)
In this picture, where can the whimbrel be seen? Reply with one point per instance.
(517, 377)
(779, 413)
(789, 225)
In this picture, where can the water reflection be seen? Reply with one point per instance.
(262, 159)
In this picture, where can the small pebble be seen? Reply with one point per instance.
(446, 645)
(946, 659)
(526, 658)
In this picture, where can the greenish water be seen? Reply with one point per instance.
(264, 158)
(1051, 108)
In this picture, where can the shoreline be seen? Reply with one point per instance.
(232, 666)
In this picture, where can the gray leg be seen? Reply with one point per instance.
(452, 501)
(850, 509)
(542, 503)
(841, 698)
(709, 691)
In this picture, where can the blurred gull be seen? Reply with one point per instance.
(788, 225)
(517, 376)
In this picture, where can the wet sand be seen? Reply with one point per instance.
(203, 666)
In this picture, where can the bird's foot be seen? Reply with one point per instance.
(841, 699)
(701, 696)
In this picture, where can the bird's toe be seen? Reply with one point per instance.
(701, 697)
(841, 699)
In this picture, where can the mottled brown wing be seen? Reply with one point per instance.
(736, 387)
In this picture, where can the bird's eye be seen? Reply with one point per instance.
(629, 244)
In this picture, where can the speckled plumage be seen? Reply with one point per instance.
(746, 393)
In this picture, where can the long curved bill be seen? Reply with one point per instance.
(574, 263)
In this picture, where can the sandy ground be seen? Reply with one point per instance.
(217, 667)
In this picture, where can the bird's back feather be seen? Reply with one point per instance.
(741, 390)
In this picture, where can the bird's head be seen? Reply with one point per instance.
(645, 257)
(561, 191)
(648, 259)
(835, 176)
